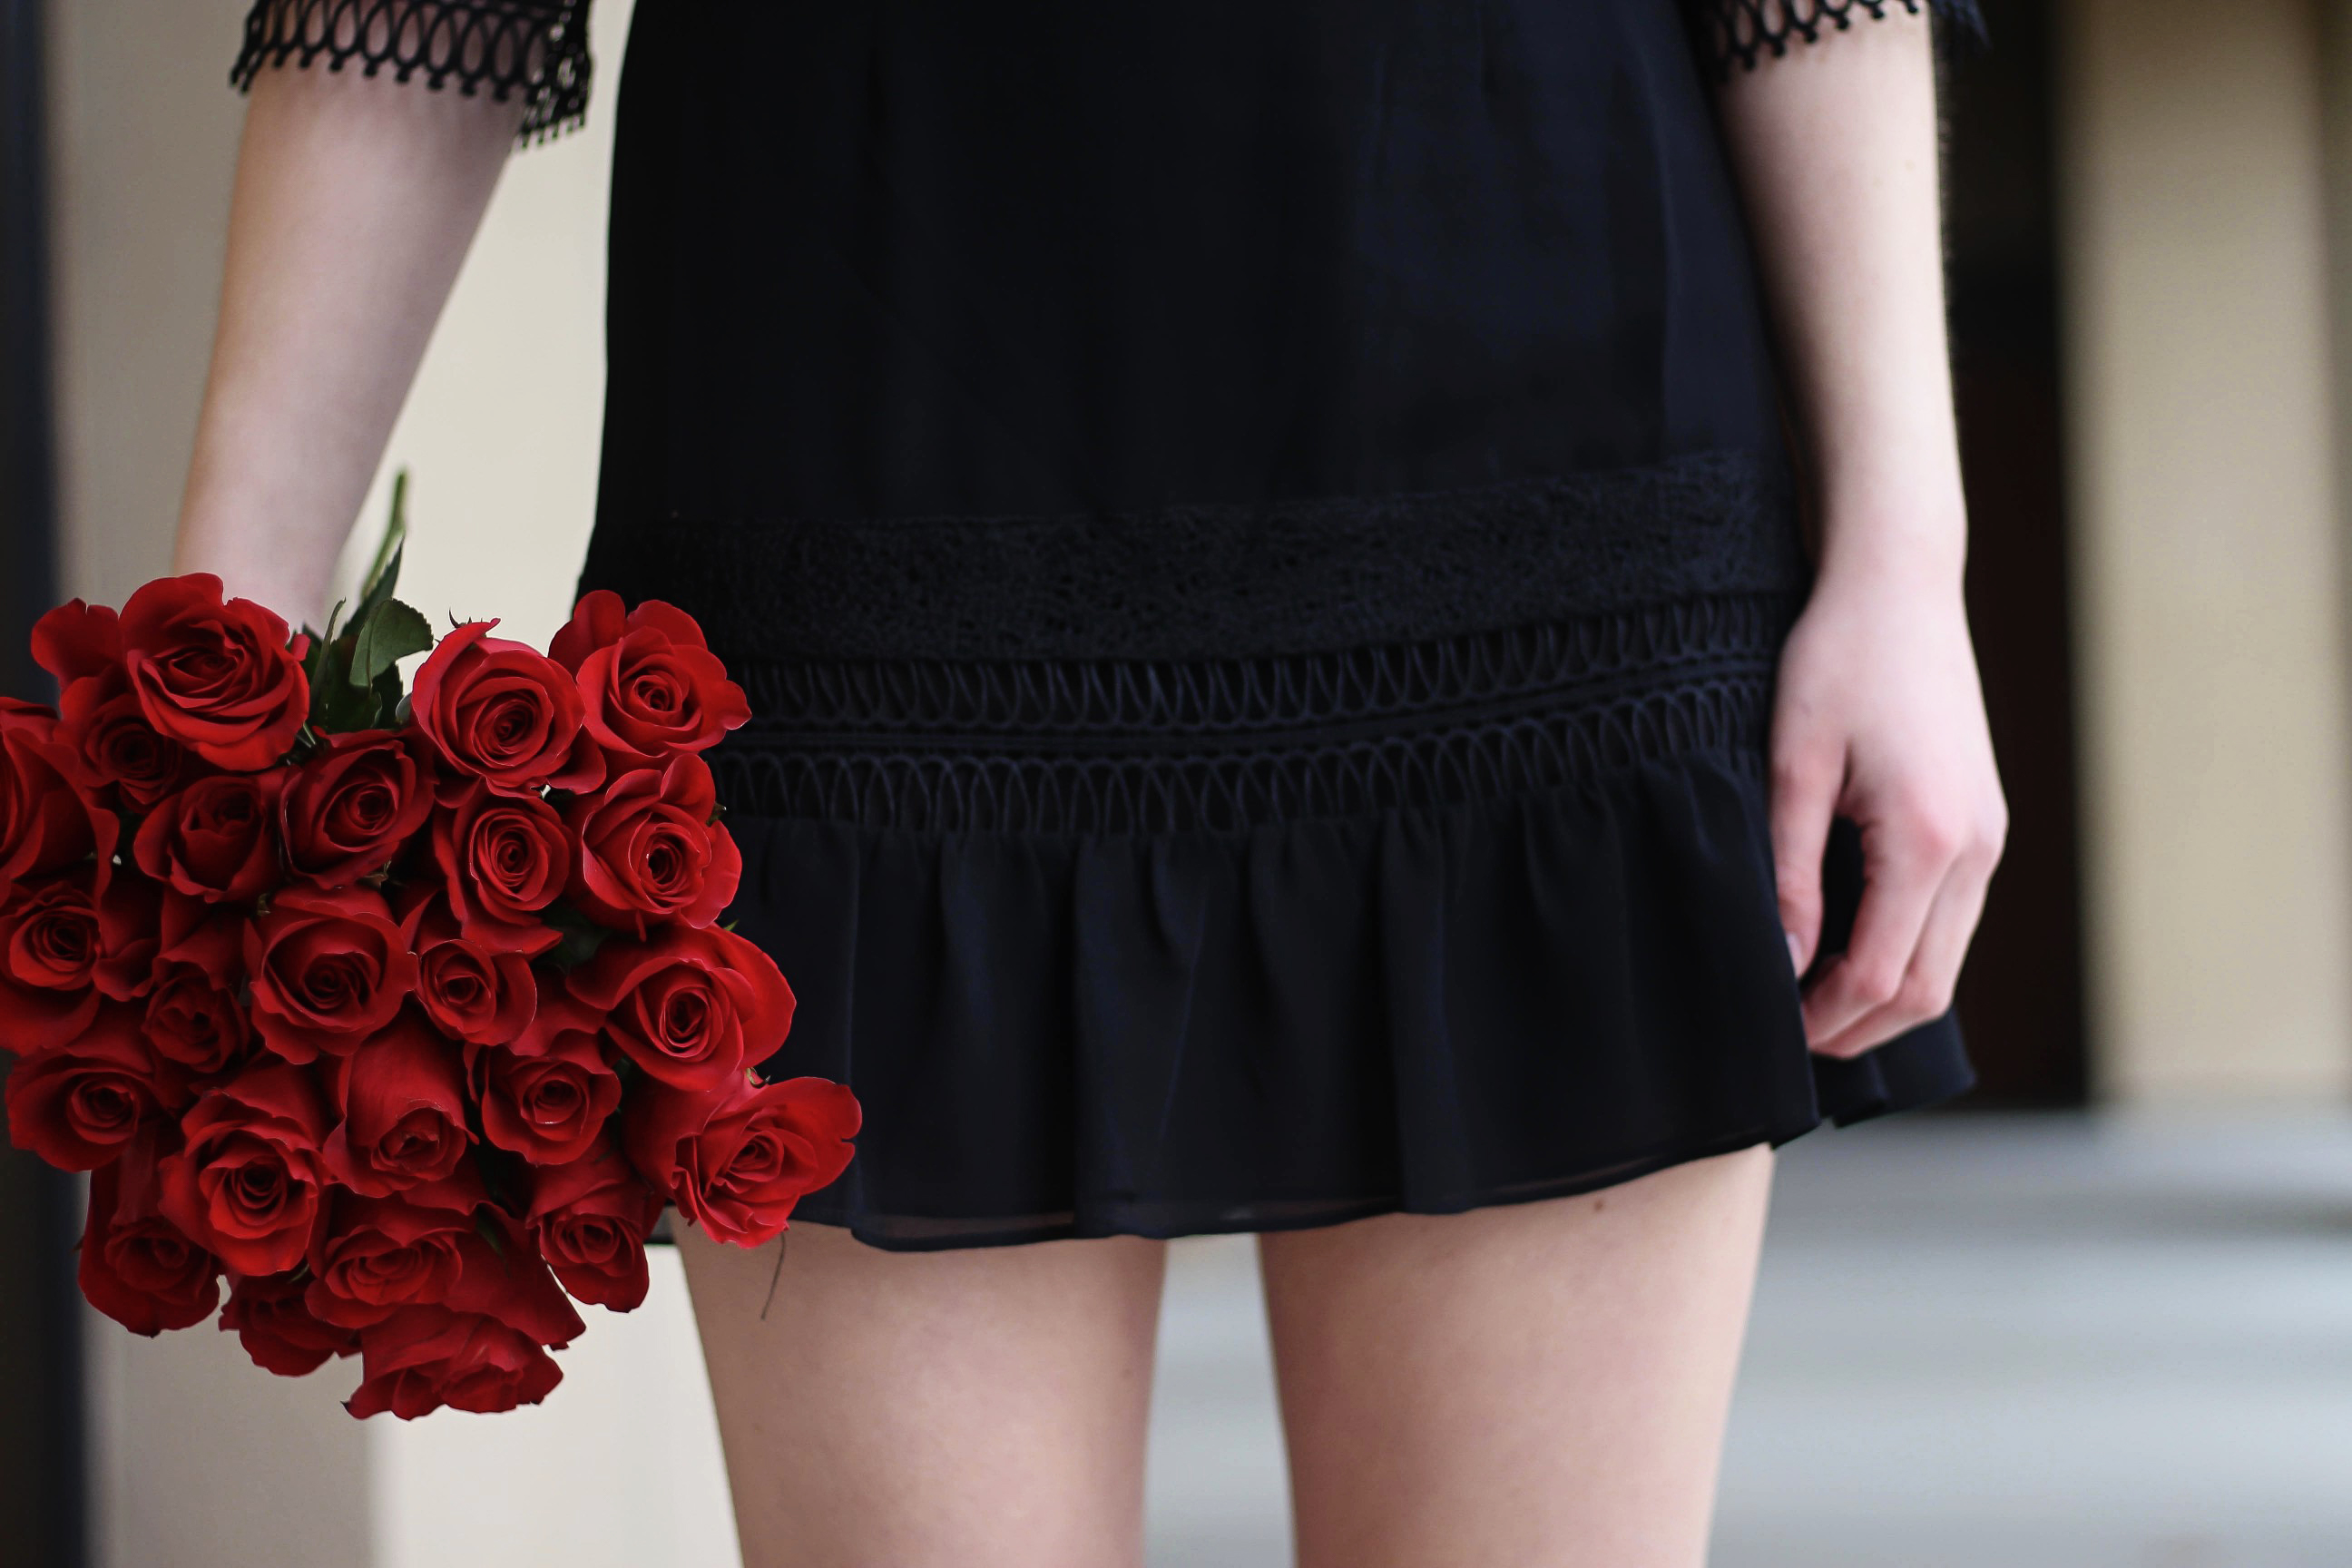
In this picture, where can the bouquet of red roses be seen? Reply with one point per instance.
(407, 1013)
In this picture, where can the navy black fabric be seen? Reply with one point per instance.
(1259, 537)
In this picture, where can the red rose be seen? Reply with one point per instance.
(216, 839)
(77, 641)
(547, 1095)
(272, 1318)
(651, 686)
(327, 971)
(137, 1267)
(248, 1184)
(651, 848)
(422, 1358)
(215, 676)
(192, 1015)
(481, 1349)
(79, 1105)
(505, 714)
(736, 1171)
(590, 1219)
(504, 857)
(352, 805)
(402, 1100)
(375, 1255)
(102, 722)
(694, 1008)
(481, 995)
(61, 951)
(47, 821)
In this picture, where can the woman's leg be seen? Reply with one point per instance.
(1530, 1384)
(957, 1409)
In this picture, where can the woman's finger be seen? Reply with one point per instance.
(1806, 779)
(1928, 984)
(1905, 862)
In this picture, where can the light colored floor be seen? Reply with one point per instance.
(1979, 1343)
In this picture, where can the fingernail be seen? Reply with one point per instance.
(1796, 952)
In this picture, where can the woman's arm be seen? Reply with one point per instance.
(1878, 714)
(355, 200)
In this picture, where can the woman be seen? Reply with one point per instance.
(1300, 687)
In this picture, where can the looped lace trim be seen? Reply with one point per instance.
(1744, 32)
(1118, 746)
(538, 49)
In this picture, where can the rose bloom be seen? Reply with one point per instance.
(249, 1184)
(329, 969)
(216, 839)
(505, 860)
(651, 686)
(478, 1350)
(652, 850)
(402, 1096)
(101, 721)
(271, 1317)
(737, 1170)
(590, 1219)
(215, 675)
(61, 951)
(694, 1008)
(375, 1255)
(193, 1015)
(547, 1095)
(504, 713)
(80, 1104)
(135, 1265)
(354, 802)
(47, 820)
(482, 995)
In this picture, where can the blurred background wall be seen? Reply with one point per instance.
(2151, 265)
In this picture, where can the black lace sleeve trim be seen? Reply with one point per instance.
(1748, 32)
(537, 49)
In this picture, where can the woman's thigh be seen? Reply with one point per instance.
(963, 1408)
(1529, 1385)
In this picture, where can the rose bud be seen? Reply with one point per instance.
(504, 713)
(272, 1318)
(101, 721)
(194, 1018)
(590, 1219)
(47, 820)
(216, 675)
(651, 849)
(738, 1171)
(505, 859)
(352, 806)
(377, 1254)
(216, 839)
(402, 1100)
(80, 1104)
(248, 1184)
(546, 1096)
(137, 1267)
(650, 685)
(329, 969)
(481, 995)
(694, 1008)
(61, 951)
(422, 1358)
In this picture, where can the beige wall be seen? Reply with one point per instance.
(2213, 696)
(202, 1460)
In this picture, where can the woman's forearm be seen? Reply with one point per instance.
(1835, 151)
(355, 201)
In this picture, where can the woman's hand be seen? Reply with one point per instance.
(1878, 716)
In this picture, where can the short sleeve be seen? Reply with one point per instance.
(1746, 32)
(533, 49)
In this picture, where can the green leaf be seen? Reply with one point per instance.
(489, 1233)
(383, 573)
(390, 633)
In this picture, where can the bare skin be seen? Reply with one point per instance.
(1551, 1377)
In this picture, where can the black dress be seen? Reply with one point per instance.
(1259, 539)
